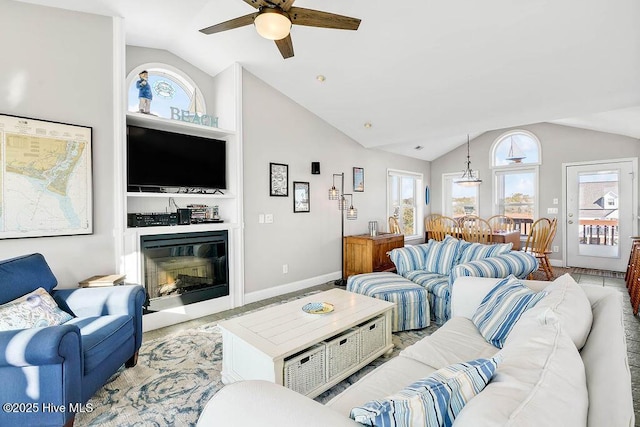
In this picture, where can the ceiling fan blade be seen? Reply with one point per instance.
(317, 18)
(285, 46)
(230, 24)
(284, 4)
(257, 3)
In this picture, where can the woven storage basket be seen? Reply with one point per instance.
(306, 371)
(372, 336)
(343, 353)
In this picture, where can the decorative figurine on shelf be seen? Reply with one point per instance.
(144, 92)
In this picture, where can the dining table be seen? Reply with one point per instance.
(496, 237)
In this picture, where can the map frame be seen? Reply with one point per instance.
(62, 174)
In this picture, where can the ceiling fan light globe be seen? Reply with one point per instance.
(272, 24)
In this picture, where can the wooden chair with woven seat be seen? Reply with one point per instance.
(502, 223)
(476, 229)
(538, 242)
(394, 225)
(442, 227)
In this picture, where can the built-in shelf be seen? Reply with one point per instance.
(182, 195)
(191, 228)
(161, 123)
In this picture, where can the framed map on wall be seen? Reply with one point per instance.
(45, 178)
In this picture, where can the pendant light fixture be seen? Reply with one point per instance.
(469, 178)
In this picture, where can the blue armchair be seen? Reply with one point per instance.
(49, 373)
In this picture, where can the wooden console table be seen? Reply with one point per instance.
(364, 253)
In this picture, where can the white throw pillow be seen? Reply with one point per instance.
(567, 304)
(540, 381)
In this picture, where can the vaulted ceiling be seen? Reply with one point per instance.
(422, 73)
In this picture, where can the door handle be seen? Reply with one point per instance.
(570, 222)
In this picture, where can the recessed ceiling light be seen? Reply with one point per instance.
(368, 125)
(418, 147)
(321, 78)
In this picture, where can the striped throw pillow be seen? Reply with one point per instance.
(441, 256)
(476, 251)
(409, 258)
(432, 401)
(502, 307)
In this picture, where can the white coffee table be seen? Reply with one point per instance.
(259, 345)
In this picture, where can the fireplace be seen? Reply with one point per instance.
(185, 268)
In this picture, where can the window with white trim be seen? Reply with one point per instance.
(515, 159)
(173, 93)
(404, 196)
(459, 200)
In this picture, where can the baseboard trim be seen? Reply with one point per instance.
(289, 287)
(556, 263)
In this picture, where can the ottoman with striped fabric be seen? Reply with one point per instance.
(412, 300)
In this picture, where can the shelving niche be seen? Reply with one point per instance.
(167, 202)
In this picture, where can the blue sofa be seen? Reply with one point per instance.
(436, 265)
(49, 373)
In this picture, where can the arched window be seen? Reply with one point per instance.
(173, 92)
(515, 159)
(516, 148)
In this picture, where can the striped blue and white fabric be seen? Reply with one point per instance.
(439, 293)
(412, 300)
(441, 256)
(519, 264)
(432, 401)
(502, 307)
(476, 251)
(409, 258)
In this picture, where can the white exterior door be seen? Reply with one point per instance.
(600, 215)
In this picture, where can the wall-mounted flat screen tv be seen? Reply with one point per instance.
(158, 160)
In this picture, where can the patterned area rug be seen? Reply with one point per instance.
(177, 375)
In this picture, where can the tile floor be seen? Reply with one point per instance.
(632, 324)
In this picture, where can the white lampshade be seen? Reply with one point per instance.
(272, 24)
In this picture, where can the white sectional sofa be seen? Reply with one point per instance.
(542, 379)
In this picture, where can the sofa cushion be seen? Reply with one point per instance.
(456, 341)
(520, 264)
(409, 258)
(384, 380)
(432, 401)
(501, 308)
(34, 310)
(539, 382)
(101, 335)
(566, 302)
(24, 274)
(476, 251)
(441, 256)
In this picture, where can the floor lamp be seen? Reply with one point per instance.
(351, 213)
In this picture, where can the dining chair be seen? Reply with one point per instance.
(476, 229)
(539, 241)
(394, 225)
(502, 223)
(444, 226)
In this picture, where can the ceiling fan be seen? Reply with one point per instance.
(274, 19)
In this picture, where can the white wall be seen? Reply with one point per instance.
(560, 144)
(57, 65)
(278, 130)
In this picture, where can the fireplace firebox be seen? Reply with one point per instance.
(185, 268)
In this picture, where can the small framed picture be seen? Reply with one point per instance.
(358, 179)
(278, 180)
(300, 197)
